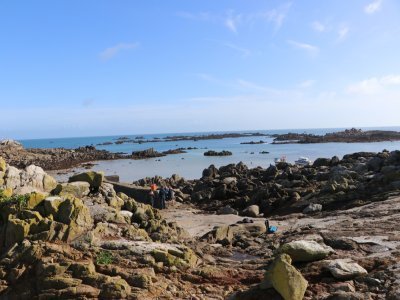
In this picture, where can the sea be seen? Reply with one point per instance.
(191, 164)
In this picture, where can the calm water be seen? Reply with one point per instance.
(191, 164)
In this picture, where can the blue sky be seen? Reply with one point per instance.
(79, 68)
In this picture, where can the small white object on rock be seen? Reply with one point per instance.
(312, 208)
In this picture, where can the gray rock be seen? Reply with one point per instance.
(345, 269)
(305, 251)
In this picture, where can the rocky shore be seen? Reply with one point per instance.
(52, 158)
(337, 238)
(60, 158)
(348, 136)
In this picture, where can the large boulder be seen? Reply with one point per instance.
(74, 213)
(115, 288)
(305, 251)
(95, 179)
(211, 172)
(223, 234)
(345, 269)
(322, 162)
(285, 279)
(16, 231)
(251, 211)
(32, 179)
(78, 189)
(12, 177)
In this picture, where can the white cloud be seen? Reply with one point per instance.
(251, 85)
(304, 46)
(374, 85)
(277, 15)
(373, 7)
(318, 26)
(343, 32)
(113, 51)
(306, 83)
(391, 80)
(231, 24)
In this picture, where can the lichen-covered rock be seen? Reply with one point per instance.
(305, 251)
(116, 202)
(77, 189)
(95, 179)
(285, 279)
(7, 192)
(169, 259)
(35, 199)
(115, 288)
(16, 231)
(76, 214)
(51, 205)
(3, 164)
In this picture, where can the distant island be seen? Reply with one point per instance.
(177, 138)
(352, 135)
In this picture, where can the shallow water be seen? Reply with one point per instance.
(191, 164)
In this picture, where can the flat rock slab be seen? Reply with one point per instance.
(139, 247)
(345, 269)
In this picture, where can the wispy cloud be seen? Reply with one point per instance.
(251, 85)
(243, 51)
(343, 32)
(233, 20)
(231, 25)
(306, 84)
(278, 15)
(113, 51)
(373, 7)
(374, 85)
(304, 46)
(202, 16)
(318, 26)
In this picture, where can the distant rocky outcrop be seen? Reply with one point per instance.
(347, 136)
(215, 153)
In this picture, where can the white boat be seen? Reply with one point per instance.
(303, 161)
(281, 159)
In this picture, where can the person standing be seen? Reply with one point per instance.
(151, 198)
(162, 196)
